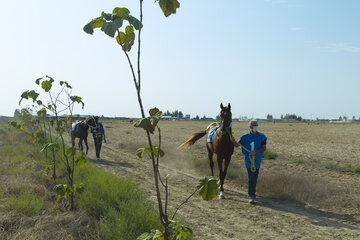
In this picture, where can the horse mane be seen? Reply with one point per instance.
(192, 140)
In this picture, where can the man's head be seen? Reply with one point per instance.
(253, 124)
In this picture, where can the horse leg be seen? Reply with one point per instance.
(210, 155)
(221, 177)
(226, 165)
(86, 144)
(80, 144)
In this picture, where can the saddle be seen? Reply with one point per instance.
(75, 126)
(212, 133)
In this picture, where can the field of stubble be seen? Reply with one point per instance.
(307, 192)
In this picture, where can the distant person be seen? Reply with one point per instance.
(253, 145)
(98, 135)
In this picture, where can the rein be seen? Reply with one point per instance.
(252, 159)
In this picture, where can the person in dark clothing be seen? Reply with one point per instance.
(98, 135)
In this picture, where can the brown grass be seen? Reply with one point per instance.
(49, 222)
(301, 171)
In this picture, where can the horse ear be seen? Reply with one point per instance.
(221, 106)
(229, 106)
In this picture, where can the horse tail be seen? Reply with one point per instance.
(192, 139)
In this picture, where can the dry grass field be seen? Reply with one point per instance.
(311, 188)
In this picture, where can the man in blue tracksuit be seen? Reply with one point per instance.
(253, 145)
(98, 135)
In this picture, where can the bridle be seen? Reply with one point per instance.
(225, 122)
(89, 125)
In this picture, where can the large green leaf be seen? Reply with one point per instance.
(77, 99)
(208, 188)
(169, 6)
(47, 84)
(144, 123)
(127, 39)
(88, 28)
(29, 94)
(156, 151)
(80, 160)
(95, 23)
(135, 22)
(155, 112)
(121, 12)
(110, 28)
(180, 232)
(153, 235)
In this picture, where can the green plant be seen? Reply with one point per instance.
(331, 165)
(118, 202)
(299, 160)
(111, 24)
(354, 169)
(128, 132)
(26, 202)
(57, 103)
(269, 155)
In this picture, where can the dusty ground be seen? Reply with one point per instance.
(321, 150)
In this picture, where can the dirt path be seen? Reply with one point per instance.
(233, 217)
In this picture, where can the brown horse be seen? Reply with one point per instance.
(81, 129)
(222, 145)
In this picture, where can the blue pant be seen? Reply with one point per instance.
(98, 143)
(253, 176)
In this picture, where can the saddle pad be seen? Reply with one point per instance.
(75, 127)
(212, 133)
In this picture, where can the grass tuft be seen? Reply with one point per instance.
(299, 161)
(269, 155)
(119, 203)
(26, 202)
(354, 169)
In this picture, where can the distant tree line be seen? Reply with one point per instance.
(176, 114)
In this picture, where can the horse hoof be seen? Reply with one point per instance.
(221, 195)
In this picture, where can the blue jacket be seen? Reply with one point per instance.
(252, 142)
(94, 130)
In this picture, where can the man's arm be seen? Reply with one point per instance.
(260, 150)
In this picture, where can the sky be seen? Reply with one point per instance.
(262, 56)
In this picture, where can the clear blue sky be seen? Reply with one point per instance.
(262, 56)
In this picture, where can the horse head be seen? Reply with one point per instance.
(92, 121)
(225, 118)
